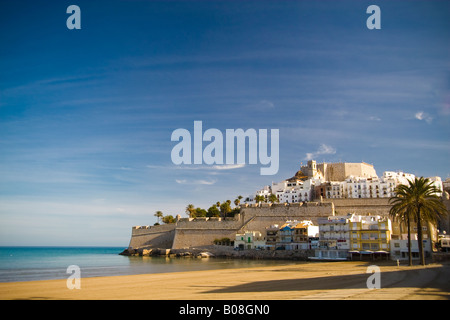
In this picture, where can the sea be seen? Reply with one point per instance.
(47, 263)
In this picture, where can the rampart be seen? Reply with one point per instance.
(188, 233)
(160, 236)
(201, 232)
(375, 206)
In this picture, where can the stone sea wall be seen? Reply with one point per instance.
(188, 233)
(218, 251)
(152, 236)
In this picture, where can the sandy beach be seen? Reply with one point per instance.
(317, 280)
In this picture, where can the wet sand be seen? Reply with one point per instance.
(316, 280)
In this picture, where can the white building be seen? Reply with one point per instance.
(296, 235)
(290, 191)
(249, 240)
(438, 183)
(334, 238)
(399, 248)
(357, 234)
(313, 185)
(368, 187)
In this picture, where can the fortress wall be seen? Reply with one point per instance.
(190, 238)
(152, 237)
(308, 210)
(262, 218)
(359, 169)
(376, 206)
(202, 232)
(340, 171)
(229, 223)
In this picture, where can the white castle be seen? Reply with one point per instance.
(337, 181)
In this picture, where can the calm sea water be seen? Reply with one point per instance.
(45, 263)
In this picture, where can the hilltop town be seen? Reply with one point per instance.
(328, 211)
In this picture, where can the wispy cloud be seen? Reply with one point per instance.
(423, 116)
(198, 167)
(195, 182)
(323, 149)
(227, 166)
(263, 105)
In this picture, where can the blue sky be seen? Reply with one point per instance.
(86, 115)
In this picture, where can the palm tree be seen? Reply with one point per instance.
(260, 198)
(158, 215)
(420, 198)
(190, 209)
(273, 198)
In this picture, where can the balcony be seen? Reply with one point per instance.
(370, 238)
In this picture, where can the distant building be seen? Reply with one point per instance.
(370, 235)
(338, 181)
(399, 248)
(444, 243)
(249, 240)
(344, 236)
(334, 238)
(338, 171)
(295, 235)
(446, 185)
(365, 187)
(271, 236)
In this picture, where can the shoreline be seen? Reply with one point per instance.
(226, 252)
(314, 280)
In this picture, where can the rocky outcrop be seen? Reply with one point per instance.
(215, 251)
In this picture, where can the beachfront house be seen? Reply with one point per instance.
(296, 235)
(271, 236)
(399, 248)
(353, 236)
(249, 240)
(334, 238)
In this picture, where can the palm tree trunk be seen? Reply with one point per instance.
(420, 238)
(409, 241)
